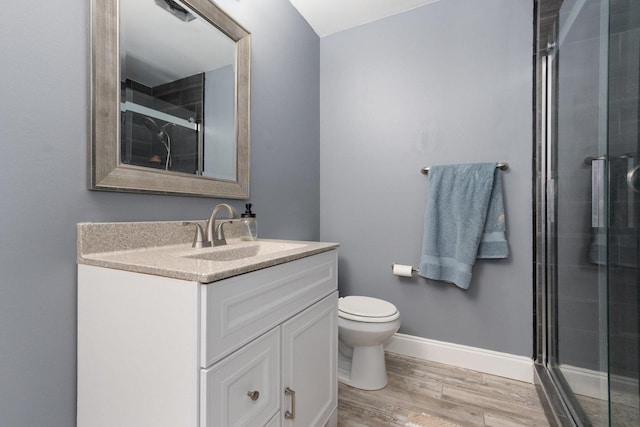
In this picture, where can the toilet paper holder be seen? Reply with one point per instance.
(403, 270)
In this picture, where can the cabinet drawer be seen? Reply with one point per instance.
(241, 308)
(242, 390)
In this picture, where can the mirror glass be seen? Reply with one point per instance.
(180, 104)
(177, 74)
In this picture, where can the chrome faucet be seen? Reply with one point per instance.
(215, 233)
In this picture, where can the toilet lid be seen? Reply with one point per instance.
(366, 307)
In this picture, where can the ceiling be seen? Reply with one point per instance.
(147, 50)
(331, 16)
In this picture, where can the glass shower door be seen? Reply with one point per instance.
(593, 211)
(578, 356)
(623, 238)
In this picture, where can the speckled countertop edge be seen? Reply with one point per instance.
(164, 249)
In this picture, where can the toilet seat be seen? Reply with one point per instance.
(367, 309)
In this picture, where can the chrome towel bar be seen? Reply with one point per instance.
(502, 166)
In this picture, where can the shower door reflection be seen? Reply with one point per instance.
(159, 132)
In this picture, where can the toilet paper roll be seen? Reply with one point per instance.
(402, 270)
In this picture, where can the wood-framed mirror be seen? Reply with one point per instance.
(169, 99)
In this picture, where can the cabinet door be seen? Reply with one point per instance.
(242, 389)
(309, 368)
(275, 421)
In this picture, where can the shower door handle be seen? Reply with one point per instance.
(598, 191)
(551, 200)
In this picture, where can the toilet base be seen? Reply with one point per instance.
(365, 369)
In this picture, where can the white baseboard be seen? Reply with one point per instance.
(506, 365)
(586, 382)
(595, 384)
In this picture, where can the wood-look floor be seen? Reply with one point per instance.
(426, 394)
(625, 409)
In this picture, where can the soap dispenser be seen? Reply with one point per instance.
(250, 222)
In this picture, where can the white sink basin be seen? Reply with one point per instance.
(238, 251)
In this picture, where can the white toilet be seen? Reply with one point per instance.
(364, 323)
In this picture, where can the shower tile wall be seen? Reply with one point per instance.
(182, 98)
(580, 97)
(578, 292)
(579, 314)
(624, 79)
(578, 311)
(136, 146)
(583, 342)
(186, 96)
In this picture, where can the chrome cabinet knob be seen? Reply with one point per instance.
(254, 395)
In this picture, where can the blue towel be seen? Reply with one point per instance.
(464, 220)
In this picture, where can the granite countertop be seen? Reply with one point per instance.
(164, 249)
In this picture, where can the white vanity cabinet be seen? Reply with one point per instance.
(257, 349)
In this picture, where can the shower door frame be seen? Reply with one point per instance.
(561, 404)
(564, 407)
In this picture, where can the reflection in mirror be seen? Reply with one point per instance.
(177, 75)
(170, 102)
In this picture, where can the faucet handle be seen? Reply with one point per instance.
(218, 236)
(198, 241)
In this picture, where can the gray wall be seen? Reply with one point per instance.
(43, 193)
(445, 83)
